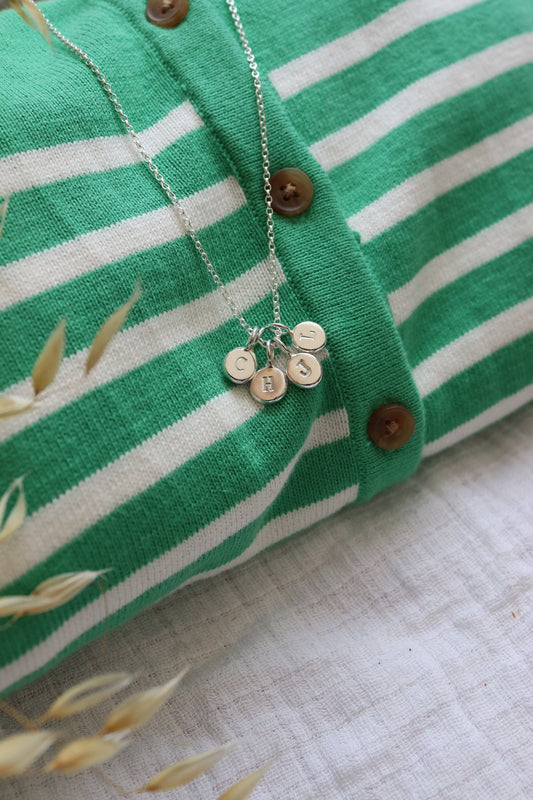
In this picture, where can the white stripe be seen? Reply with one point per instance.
(331, 58)
(38, 167)
(285, 525)
(41, 271)
(487, 417)
(442, 85)
(461, 259)
(138, 344)
(480, 342)
(329, 427)
(419, 190)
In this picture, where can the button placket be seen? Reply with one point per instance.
(319, 247)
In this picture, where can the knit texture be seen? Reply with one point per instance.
(414, 121)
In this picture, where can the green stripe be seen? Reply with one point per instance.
(401, 251)
(476, 389)
(433, 135)
(467, 302)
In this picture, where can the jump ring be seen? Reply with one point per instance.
(252, 339)
(281, 344)
(276, 325)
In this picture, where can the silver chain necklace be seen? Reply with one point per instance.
(301, 367)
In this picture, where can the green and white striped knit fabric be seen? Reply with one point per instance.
(414, 120)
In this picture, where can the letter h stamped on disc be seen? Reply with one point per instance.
(270, 383)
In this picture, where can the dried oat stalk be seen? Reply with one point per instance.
(20, 751)
(20, 605)
(49, 594)
(244, 787)
(31, 14)
(44, 371)
(184, 771)
(48, 363)
(83, 753)
(110, 327)
(139, 708)
(62, 588)
(87, 694)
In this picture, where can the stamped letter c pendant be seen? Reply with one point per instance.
(241, 363)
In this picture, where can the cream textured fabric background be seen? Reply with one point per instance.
(386, 654)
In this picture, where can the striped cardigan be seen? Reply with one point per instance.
(414, 120)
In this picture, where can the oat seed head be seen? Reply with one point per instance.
(49, 360)
(19, 752)
(20, 605)
(139, 708)
(31, 14)
(184, 771)
(83, 753)
(244, 787)
(62, 588)
(110, 327)
(49, 594)
(9, 406)
(87, 694)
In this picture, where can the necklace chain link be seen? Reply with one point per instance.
(271, 260)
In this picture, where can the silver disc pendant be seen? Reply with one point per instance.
(269, 384)
(309, 336)
(241, 365)
(304, 370)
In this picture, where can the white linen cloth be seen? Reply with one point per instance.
(385, 654)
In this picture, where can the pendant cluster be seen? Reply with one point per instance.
(269, 384)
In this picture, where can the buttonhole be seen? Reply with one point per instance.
(391, 426)
(289, 191)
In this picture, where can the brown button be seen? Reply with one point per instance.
(166, 13)
(391, 426)
(292, 191)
